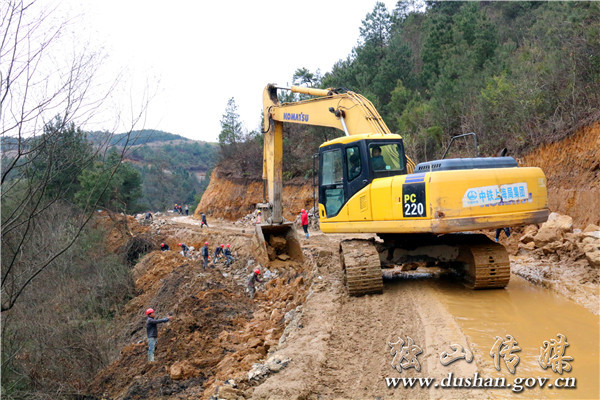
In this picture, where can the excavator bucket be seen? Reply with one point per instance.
(277, 242)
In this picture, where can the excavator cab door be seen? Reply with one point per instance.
(332, 191)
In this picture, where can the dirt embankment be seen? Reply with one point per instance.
(218, 333)
(232, 198)
(572, 168)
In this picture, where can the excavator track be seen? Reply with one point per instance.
(487, 265)
(362, 267)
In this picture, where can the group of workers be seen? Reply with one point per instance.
(220, 252)
(181, 210)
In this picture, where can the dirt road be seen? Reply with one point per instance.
(341, 348)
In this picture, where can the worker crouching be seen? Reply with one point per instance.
(252, 279)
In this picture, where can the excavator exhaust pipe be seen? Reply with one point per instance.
(277, 242)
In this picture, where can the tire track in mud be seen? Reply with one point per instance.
(359, 356)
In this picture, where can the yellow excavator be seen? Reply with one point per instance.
(420, 213)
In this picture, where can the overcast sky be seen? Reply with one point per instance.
(193, 56)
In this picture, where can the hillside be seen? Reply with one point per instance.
(174, 169)
(217, 331)
(233, 198)
(138, 137)
(572, 168)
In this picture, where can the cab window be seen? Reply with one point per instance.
(333, 171)
(386, 157)
(353, 162)
(332, 179)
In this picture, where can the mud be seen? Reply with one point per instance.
(575, 280)
(342, 349)
(531, 315)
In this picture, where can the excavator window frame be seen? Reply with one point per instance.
(351, 186)
(329, 189)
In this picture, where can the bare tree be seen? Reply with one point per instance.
(37, 85)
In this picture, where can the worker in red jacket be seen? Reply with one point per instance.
(304, 220)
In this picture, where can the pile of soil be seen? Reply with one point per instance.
(217, 332)
(119, 229)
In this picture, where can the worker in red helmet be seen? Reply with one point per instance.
(152, 331)
(218, 253)
(164, 247)
(228, 256)
(184, 249)
(252, 279)
(203, 220)
(204, 252)
(304, 220)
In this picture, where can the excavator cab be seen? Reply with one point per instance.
(348, 164)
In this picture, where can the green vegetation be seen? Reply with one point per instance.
(170, 172)
(519, 74)
(110, 184)
(135, 138)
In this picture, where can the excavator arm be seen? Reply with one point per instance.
(349, 112)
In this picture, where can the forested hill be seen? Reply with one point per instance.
(174, 169)
(138, 137)
(519, 74)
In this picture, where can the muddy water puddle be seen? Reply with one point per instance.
(531, 315)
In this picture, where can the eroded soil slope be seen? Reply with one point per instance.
(231, 198)
(217, 332)
(572, 168)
